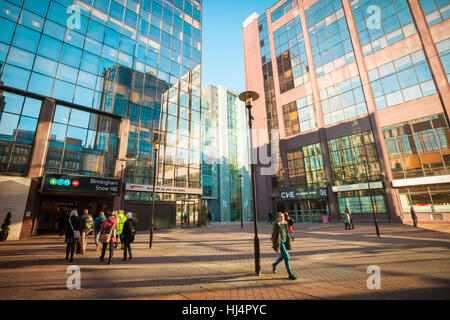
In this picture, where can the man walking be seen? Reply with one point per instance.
(128, 234)
(121, 218)
(282, 242)
(414, 216)
(98, 222)
(87, 223)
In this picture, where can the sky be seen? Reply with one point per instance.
(222, 51)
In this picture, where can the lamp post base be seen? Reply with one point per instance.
(257, 257)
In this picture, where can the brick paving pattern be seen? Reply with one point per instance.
(217, 262)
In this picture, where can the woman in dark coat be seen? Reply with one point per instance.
(281, 242)
(73, 224)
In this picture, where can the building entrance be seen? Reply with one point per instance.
(54, 210)
(305, 211)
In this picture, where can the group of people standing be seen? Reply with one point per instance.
(108, 229)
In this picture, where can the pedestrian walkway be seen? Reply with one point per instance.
(217, 262)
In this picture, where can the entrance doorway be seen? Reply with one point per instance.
(54, 210)
(187, 213)
(305, 211)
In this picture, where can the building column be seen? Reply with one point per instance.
(431, 54)
(36, 167)
(332, 197)
(392, 203)
(122, 147)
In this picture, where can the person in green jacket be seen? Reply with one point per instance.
(282, 242)
(121, 218)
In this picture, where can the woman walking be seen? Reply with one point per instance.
(108, 236)
(346, 220)
(282, 242)
(290, 221)
(73, 234)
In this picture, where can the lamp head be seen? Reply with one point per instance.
(248, 97)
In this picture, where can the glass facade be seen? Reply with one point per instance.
(330, 39)
(401, 80)
(435, 10)
(283, 9)
(209, 151)
(443, 48)
(347, 154)
(394, 24)
(299, 116)
(431, 198)
(343, 101)
(120, 57)
(18, 122)
(82, 143)
(291, 55)
(419, 148)
(306, 167)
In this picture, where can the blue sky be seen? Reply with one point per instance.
(222, 52)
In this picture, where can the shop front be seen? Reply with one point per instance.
(174, 206)
(305, 205)
(60, 194)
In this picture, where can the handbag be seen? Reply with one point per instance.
(105, 238)
(76, 233)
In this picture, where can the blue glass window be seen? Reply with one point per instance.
(26, 38)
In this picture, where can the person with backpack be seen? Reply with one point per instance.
(282, 242)
(73, 234)
(87, 223)
(108, 237)
(128, 234)
(290, 221)
(121, 218)
(98, 222)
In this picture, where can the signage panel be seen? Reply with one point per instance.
(80, 184)
(300, 194)
(161, 189)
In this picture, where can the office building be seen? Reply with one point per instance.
(354, 103)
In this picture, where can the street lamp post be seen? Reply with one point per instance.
(123, 188)
(370, 195)
(156, 142)
(240, 200)
(248, 97)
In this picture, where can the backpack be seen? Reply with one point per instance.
(89, 222)
(107, 225)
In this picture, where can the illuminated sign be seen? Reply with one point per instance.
(299, 194)
(79, 184)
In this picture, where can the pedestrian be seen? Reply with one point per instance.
(108, 237)
(87, 225)
(346, 220)
(73, 234)
(270, 221)
(414, 216)
(282, 242)
(121, 218)
(98, 222)
(209, 216)
(350, 218)
(128, 234)
(290, 221)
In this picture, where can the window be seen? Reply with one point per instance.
(306, 167)
(435, 11)
(282, 10)
(419, 148)
(395, 24)
(18, 122)
(299, 116)
(330, 38)
(443, 49)
(291, 55)
(402, 80)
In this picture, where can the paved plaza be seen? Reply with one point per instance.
(217, 262)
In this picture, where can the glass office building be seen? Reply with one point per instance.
(226, 175)
(359, 92)
(105, 74)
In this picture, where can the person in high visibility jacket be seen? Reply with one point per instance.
(121, 218)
